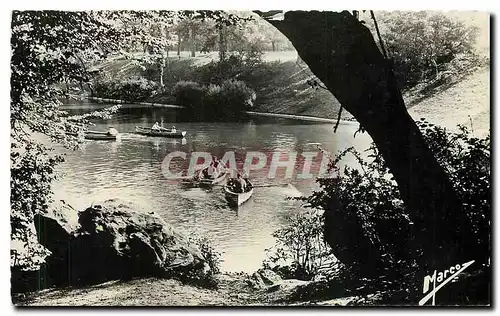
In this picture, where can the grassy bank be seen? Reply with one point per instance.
(466, 101)
(233, 290)
(282, 85)
(280, 82)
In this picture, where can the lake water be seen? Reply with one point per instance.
(130, 169)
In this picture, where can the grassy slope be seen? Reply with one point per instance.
(281, 90)
(466, 102)
(144, 292)
(233, 291)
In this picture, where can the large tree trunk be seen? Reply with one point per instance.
(222, 43)
(342, 53)
(179, 44)
(162, 70)
(192, 38)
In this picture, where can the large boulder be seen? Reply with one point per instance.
(263, 278)
(115, 240)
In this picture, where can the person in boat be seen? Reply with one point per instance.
(204, 173)
(112, 131)
(173, 130)
(212, 171)
(215, 162)
(234, 185)
(156, 126)
(242, 183)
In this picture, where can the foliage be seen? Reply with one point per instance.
(300, 251)
(212, 258)
(250, 33)
(215, 101)
(154, 32)
(424, 44)
(188, 93)
(48, 48)
(230, 98)
(467, 160)
(233, 67)
(368, 201)
(130, 89)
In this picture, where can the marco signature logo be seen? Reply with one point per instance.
(440, 279)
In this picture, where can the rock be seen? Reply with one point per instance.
(269, 276)
(65, 214)
(264, 278)
(54, 228)
(115, 240)
(51, 234)
(288, 286)
(285, 290)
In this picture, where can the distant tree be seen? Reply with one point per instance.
(220, 21)
(423, 43)
(156, 32)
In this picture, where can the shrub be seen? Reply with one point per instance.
(237, 94)
(368, 227)
(188, 93)
(467, 160)
(233, 67)
(137, 89)
(229, 99)
(423, 44)
(300, 251)
(212, 258)
(130, 89)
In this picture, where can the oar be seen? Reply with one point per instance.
(267, 185)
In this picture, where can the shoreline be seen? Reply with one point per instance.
(251, 113)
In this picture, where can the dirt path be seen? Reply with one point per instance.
(468, 100)
(146, 292)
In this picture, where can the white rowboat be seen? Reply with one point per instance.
(236, 199)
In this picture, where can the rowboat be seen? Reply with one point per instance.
(92, 135)
(211, 181)
(160, 132)
(236, 199)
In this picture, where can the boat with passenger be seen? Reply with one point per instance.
(238, 190)
(159, 131)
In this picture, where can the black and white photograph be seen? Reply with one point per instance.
(250, 158)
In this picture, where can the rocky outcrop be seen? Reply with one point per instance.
(263, 278)
(115, 240)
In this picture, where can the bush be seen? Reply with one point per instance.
(210, 254)
(130, 89)
(371, 226)
(137, 89)
(468, 162)
(300, 251)
(236, 94)
(233, 67)
(212, 257)
(215, 101)
(188, 93)
(423, 44)
(229, 99)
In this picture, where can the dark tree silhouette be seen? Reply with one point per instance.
(342, 53)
